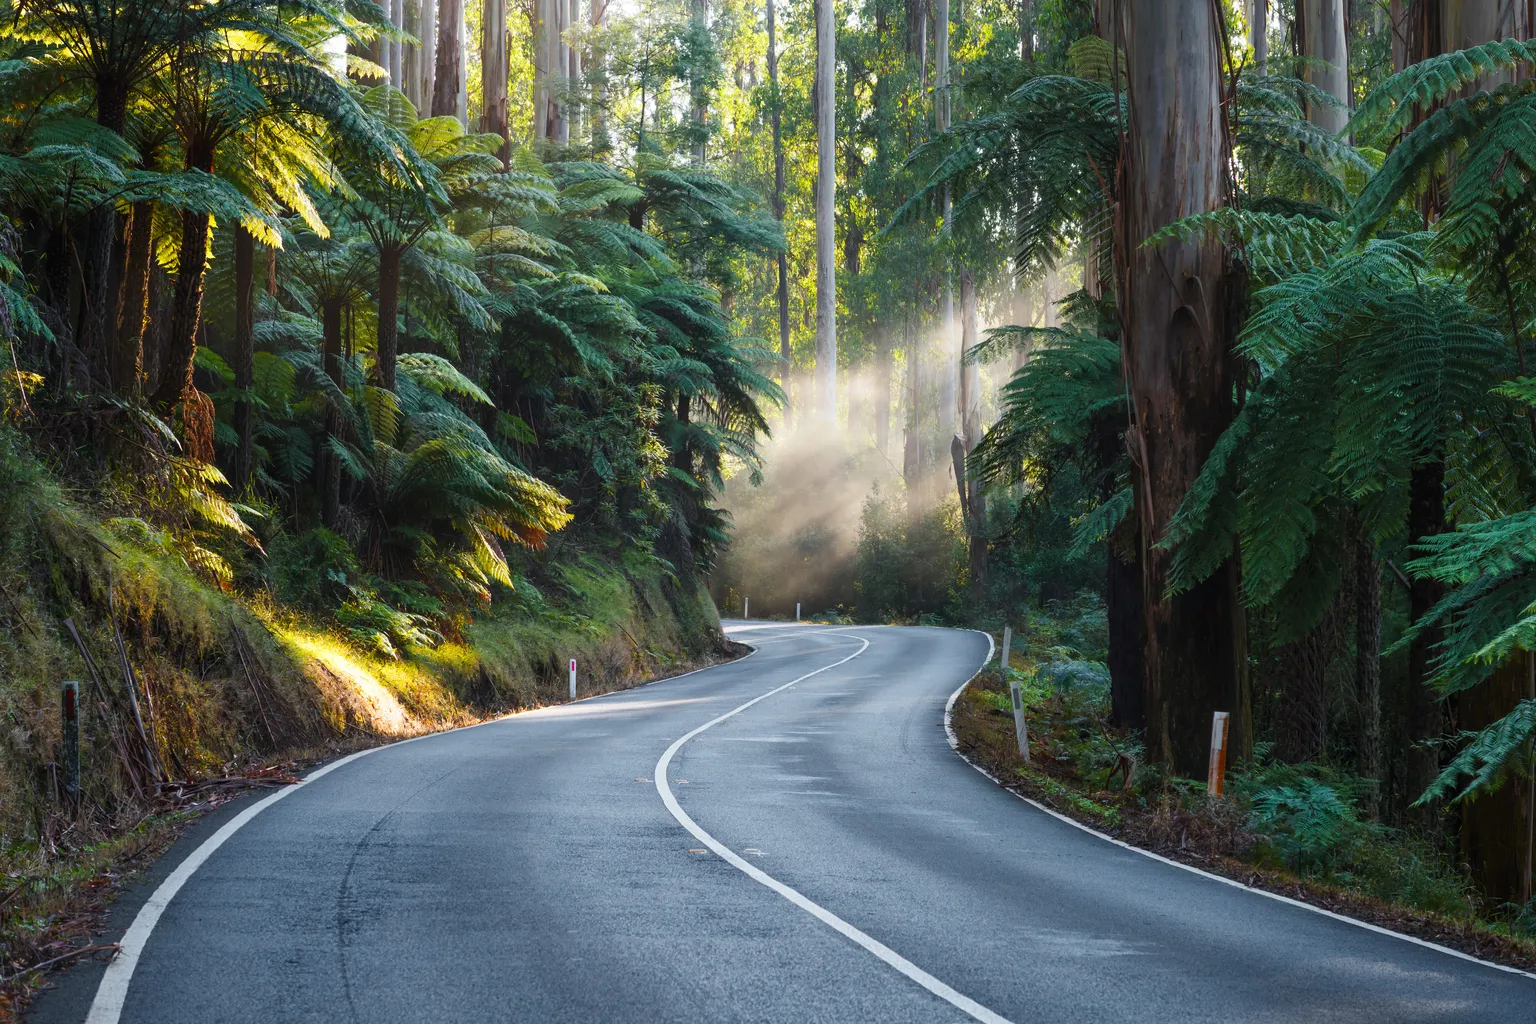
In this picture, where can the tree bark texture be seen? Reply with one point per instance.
(186, 310)
(573, 72)
(389, 314)
(426, 88)
(1258, 30)
(778, 210)
(911, 395)
(1494, 836)
(826, 199)
(1323, 39)
(970, 424)
(1426, 719)
(410, 62)
(330, 465)
(948, 379)
(1122, 607)
(1178, 366)
(245, 353)
(494, 68)
(448, 74)
(127, 364)
(1367, 593)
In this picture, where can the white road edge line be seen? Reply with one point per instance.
(954, 742)
(112, 993)
(825, 916)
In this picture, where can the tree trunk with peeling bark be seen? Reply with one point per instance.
(448, 75)
(1177, 315)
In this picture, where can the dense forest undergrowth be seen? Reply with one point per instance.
(1303, 830)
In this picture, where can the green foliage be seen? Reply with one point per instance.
(1309, 828)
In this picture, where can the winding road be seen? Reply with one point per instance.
(785, 838)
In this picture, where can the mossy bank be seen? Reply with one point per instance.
(228, 676)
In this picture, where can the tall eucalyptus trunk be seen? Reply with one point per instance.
(778, 209)
(911, 396)
(1178, 334)
(826, 198)
(1367, 592)
(426, 86)
(410, 62)
(970, 423)
(541, 69)
(1258, 30)
(1326, 44)
(948, 384)
(448, 74)
(573, 72)
(697, 112)
(597, 114)
(494, 69)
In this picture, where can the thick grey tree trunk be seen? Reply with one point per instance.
(1324, 42)
(1258, 30)
(1178, 332)
(826, 200)
(428, 60)
(448, 74)
(493, 74)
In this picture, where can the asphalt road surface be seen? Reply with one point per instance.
(820, 855)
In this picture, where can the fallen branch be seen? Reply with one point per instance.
(114, 947)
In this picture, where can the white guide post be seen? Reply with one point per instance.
(746, 603)
(797, 611)
(1216, 776)
(573, 679)
(1020, 725)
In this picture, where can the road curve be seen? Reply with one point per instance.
(532, 869)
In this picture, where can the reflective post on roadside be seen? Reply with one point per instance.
(1020, 725)
(573, 679)
(1216, 776)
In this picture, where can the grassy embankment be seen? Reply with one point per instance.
(229, 682)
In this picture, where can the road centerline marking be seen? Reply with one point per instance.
(883, 952)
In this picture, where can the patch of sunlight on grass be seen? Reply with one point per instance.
(387, 713)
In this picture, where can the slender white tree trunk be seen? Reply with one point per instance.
(826, 201)
(573, 71)
(1258, 30)
(559, 64)
(396, 49)
(461, 104)
(428, 56)
(1325, 43)
(949, 385)
(410, 62)
(493, 73)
